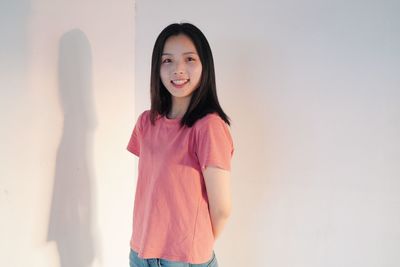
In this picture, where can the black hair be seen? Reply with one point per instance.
(204, 99)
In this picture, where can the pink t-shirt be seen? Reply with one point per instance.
(171, 218)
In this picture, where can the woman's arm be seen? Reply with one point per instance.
(219, 197)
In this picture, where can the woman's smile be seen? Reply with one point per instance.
(179, 83)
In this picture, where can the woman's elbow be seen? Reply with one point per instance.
(224, 212)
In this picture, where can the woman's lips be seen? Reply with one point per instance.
(179, 83)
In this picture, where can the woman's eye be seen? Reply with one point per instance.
(191, 59)
(166, 60)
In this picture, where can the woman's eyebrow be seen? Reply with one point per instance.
(186, 53)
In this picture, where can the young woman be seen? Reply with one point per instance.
(184, 145)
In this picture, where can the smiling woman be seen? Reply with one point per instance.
(184, 146)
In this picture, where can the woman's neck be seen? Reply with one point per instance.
(179, 107)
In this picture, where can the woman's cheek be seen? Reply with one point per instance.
(163, 73)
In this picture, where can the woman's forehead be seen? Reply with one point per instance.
(179, 44)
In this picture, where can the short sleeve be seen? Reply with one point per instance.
(214, 144)
(134, 141)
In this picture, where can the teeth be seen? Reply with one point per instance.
(179, 82)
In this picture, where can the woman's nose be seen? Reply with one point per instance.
(179, 68)
(178, 72)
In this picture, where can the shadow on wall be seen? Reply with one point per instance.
(72, 207)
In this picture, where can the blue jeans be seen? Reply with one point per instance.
(135, 261)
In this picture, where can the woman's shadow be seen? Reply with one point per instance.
(72, 207)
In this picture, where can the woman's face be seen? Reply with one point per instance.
(181, 68)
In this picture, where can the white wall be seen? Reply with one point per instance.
(313, 91)
(67, 111)
(313, 88)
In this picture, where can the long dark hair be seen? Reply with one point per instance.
(204, 99)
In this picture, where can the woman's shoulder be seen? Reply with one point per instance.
(209, 120)
(143, 118)
(145, 115)
(213, 129)
(146, 112)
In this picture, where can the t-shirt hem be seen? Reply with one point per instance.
(149, 254)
